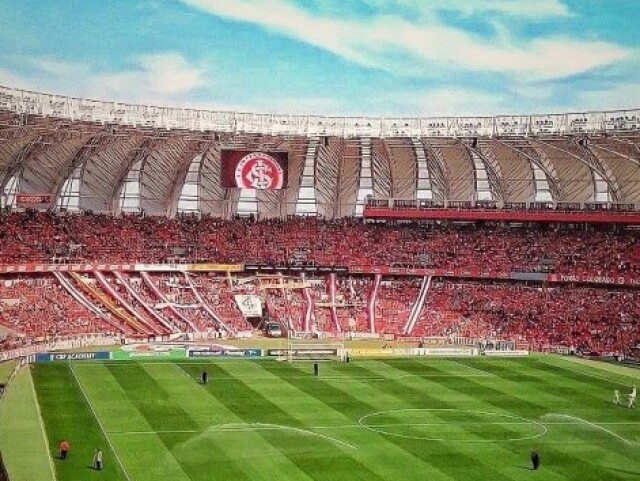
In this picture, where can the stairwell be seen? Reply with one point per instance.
(417, 306)
(104, 283)
(150, 310)
(101, 297)
(206, 307)
(371, 304)
(161, 297)
(332, 298)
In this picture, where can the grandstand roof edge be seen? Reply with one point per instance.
(451, 126)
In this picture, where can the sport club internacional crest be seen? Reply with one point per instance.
(259, 171)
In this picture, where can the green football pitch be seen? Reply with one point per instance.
(392, 419)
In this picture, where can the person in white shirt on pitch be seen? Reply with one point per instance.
(616, 397)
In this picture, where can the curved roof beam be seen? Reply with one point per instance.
(495, 184)
(552, 178)
(612, 184)
(616, 153)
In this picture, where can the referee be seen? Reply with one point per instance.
(535, 460)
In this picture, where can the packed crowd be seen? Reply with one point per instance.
(579, 318)
(45, 237)
(36, 308)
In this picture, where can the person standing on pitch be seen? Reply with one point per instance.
(204, 377)
(63, 447)
(535, 460)
(97, 460)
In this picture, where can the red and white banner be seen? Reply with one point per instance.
(33, 200)
(254, 170)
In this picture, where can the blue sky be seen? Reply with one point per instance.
(342, 57)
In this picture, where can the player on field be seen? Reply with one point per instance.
(63, 447)
(97, 460)
(616, 398)
(535, 460)
(632, 397)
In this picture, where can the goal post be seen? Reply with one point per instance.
(301, 351)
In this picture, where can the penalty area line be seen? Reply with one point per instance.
(593, 425)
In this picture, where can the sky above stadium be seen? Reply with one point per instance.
(342, 57)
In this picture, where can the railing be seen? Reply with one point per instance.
(64, 343)
(157, 117)
(417, 204)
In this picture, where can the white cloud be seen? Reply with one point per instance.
(459, 101)
(378, 40)
(164, 77)
(617, 96)
(171, 73)
(526, 9)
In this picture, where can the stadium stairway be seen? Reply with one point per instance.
(206, 307)
(332, 298)
(132, 325)
(79, 296)
(162, 298)
(104, 283)
(150, 309)
(308, 308)
(417, 306)
(371, 303)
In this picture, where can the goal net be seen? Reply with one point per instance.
(298, 351)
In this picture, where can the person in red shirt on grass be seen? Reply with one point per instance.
(63, 447)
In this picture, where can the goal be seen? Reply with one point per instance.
(297, 351)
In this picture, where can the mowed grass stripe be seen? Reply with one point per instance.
(307, 410)
(67, 415)
(478, 458)
(619, 372)
(21, 432)
(474, 454)
(499, 397)
(459, 393)
(144, 459)
(208, 452)
(316, 458)
(245, 450)
(166, 414)
(356, 399)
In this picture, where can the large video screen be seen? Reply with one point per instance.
(254, 169)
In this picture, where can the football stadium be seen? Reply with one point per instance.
(193, 293)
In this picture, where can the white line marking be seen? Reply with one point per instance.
(245, 427)
(359, 426)
(41, 422)
(589, 374)
(86, 398)
(486, 373)
(329, 377)
(523, 420)
(183, 371)
(589, 423)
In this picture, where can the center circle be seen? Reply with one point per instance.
(459, 425)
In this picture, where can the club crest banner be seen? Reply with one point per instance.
(250, 306)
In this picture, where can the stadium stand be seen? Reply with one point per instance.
(506, 227)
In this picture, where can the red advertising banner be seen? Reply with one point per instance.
(33, 200)
(254, 169)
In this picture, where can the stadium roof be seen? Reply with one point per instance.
(109, 112)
